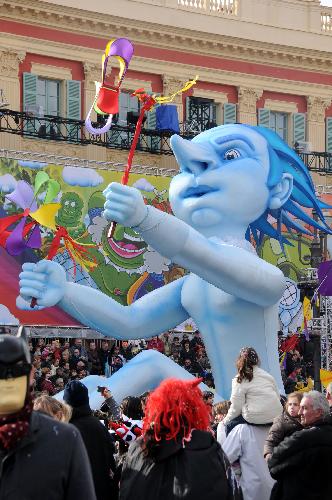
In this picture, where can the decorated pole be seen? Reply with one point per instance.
(148, 102)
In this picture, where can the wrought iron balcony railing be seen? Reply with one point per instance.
(64, 129)
(57, 128)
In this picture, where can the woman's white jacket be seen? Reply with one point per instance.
(258, 400)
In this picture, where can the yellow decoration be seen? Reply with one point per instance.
(310, 385)
(307, 311)
(325, 377)
(45, 215)
(166, 99)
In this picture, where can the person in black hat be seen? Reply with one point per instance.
(26, 438)
(98, 441)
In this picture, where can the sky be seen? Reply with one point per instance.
(326, 2)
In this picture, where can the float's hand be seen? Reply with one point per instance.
(124, 205)
(46, 281)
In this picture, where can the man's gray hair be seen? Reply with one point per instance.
(319, 402)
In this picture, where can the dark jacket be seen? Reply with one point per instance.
(49, 463)
(199, 470)
(283, 426)
(302, 465)
(100, 448)
(94, 364)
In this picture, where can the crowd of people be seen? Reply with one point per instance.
(170, 443)
(58, 362)
(296, 352)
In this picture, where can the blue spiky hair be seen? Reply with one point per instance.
(284, 160)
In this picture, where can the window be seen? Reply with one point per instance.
(279, 124)
(48, 96)
(128, 113)
(201, 114)
(127, 104)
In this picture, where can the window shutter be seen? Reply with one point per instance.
(229, 113)
(151, 121)
(329, 135)
(187, 108)
(29, 99)
(133, 103)
(264, 117)
(298, 127)
(73, 99)
(73, 108)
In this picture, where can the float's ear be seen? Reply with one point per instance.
(280, 193)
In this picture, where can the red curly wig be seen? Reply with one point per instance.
(174, 409)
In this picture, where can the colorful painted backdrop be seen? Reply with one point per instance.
(127, 268)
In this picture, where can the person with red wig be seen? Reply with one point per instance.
(177, 456)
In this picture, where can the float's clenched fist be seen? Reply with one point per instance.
(124, 205)
(46, 281)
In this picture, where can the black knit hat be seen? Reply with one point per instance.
(15, 359)
(76, 394)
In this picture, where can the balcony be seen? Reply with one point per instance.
(214, 7)
(326, 19)
(56, 128)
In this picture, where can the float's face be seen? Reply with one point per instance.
(225, 182)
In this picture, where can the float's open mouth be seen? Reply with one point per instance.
(128, 247)
(198, 191)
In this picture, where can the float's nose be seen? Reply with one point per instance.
(193, 157)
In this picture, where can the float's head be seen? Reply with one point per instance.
(236, 176)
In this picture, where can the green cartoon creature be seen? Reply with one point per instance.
(70, 214)
(122, 263)
(124, 260)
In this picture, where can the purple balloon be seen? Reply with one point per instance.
(123, 48)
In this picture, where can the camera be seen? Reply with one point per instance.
(101, 388)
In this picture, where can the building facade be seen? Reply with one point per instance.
(266, 62)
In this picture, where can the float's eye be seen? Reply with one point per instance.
(66, 203)
(231, 154)
(73, 204)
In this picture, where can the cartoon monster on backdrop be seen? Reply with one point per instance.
(232, 179)
(291, 260)
(126, 268)
(70, 214)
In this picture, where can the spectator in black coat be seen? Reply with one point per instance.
(96, 438)
(94, 363)
(126, 350)
(40, 458)
(193, 367)
(196, 341)
(302, 460)
(187, 352)
(104, 352)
